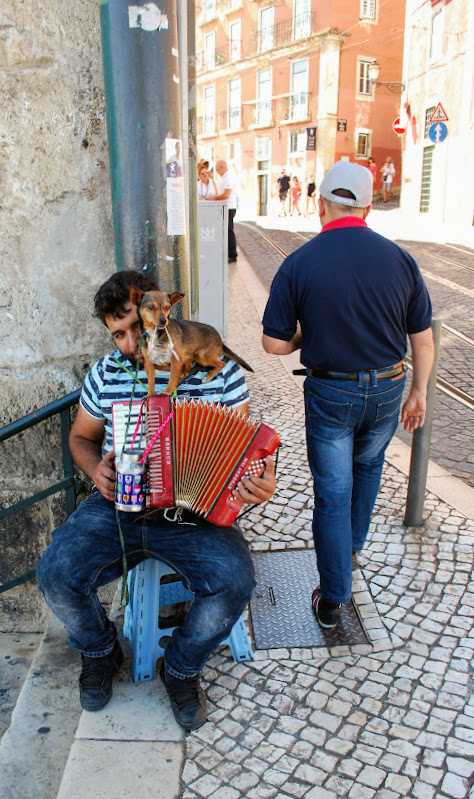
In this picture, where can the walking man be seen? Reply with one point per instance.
(282, 186)
(355, 295)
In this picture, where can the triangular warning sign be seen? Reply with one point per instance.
(439, 114)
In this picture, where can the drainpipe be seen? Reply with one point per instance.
(140, 57)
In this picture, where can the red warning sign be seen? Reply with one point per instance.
(439, 114)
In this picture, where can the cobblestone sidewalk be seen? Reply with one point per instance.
(387, 720)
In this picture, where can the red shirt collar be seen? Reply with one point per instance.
(344, 221)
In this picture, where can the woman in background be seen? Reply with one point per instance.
(310, 194)
(295, 195)
(207, 188)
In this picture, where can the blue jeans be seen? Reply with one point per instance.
(85, 553)
(349, 425)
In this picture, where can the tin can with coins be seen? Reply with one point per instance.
(130, 481)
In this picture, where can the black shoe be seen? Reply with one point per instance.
(232, 260)
(188, 700)
(95, 682)
(327, 613)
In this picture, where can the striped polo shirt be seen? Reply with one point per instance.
(108, 382)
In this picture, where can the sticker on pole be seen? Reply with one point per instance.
(398, 128)
(439, 114)
(148, 17)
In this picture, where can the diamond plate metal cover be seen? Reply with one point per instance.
(281, 610)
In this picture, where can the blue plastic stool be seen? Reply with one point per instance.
(141, 621)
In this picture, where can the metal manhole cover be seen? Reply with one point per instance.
(281, 610)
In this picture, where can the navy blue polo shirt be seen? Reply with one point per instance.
(356, 296)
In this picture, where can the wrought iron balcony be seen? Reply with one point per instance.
(289, 30)
(231, 119)
(295, 107)
(211, 59)
(206, 126)
(260, 114)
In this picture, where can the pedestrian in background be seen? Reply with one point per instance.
(226, 191)
(388, 173)
(282, 186)
(206, 186)
(295, 195)
(356, 295)
(372, 167)
(310, 194)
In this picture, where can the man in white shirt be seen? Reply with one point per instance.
(226, 191)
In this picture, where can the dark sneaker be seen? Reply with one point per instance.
(327, 613)
(95, 682)
(188, 700)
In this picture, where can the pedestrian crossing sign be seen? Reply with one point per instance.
(439, 114)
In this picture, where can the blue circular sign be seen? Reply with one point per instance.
(438, 132)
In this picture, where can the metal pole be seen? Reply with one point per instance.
(140, 57)
(187, 90)
(420, 448)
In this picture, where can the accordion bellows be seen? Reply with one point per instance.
(201, 454)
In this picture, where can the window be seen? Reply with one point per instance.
(263, 148)
(367, 9)
(362, 144)
(426, 179)
(365, 84)
(233, 122)
(234, 39)
(264, 97)
(436, 37)
(428, 114)
(208, 10)
(209, 121)
(265, 28)
(297, 141)
(299, 90)
(210, 50)
(302, 19)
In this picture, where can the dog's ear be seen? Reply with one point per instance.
(135, 295)
(175, 297)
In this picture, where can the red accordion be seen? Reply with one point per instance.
(200, 454)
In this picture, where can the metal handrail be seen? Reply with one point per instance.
(67, 484)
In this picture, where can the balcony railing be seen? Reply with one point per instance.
(285, 32)
(210, 59)
(261, 114)
(290, 30)
(295, 107)
(230, 119)
(206, 126)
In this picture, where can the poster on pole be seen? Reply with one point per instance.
(176, 225)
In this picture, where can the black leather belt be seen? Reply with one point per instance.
(380, 374)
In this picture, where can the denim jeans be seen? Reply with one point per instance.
(85, 553)
(349, 425)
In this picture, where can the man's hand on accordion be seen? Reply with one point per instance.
(255, 490)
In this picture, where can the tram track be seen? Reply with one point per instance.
(442, 384)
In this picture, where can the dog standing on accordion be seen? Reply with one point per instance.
(189, 341)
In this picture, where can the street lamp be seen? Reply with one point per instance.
(374, 71)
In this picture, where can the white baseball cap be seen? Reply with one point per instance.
(352, 177)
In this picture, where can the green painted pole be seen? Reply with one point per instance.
(420, 448)
(141, 78)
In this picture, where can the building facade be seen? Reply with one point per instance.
(286, 85)
(438, 152)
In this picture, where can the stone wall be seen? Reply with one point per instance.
(57, 248)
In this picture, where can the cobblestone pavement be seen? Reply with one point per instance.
(451, 443)
(382, 721)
